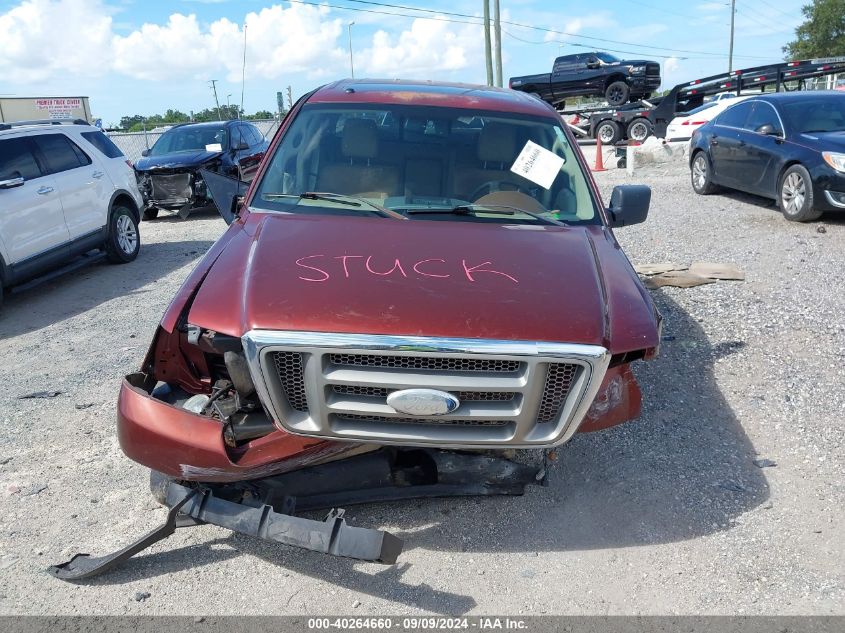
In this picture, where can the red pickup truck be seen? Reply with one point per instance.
(421, 278)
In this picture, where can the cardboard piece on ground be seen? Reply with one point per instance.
(728, 272)
(656, 269)
(676, 279)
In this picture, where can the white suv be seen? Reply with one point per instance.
(65, 189)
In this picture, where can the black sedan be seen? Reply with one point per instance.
(168, 174)
(789, 146)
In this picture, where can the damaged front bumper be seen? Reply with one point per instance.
(190, 507)
(192, 447)
(173, 190)
(265, 508)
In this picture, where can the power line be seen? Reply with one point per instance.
(707, 54)
(536, 28)
(792, 16)
(609, 50)
(771, 25)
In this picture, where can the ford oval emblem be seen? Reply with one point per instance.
(423, 402)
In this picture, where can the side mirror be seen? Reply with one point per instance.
(767, 130)
(628, 205)
(145, 153)
(14, 181)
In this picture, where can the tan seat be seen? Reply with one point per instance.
(358, 175)
(496, 151)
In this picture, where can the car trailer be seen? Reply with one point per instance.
(637, 121)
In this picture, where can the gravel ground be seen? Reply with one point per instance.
(665, 515)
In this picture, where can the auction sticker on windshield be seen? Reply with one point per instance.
(537, 164)
(214, 147)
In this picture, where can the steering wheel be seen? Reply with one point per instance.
(492, 186)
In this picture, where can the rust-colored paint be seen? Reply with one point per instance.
(187, 446)
(382, 276)
(340, 274)
(619, 399)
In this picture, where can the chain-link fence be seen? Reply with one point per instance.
(133, 143)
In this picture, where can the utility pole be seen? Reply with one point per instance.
(213, 83)
(351, 65)
(487, 53)
(243, 75)
(497, 31)
(731, 49)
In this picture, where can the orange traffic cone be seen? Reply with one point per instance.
(599, 166)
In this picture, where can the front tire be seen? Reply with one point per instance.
(617, 93)
(700, 175)
(795, 195)
(124, 240)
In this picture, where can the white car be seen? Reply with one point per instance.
(683, 125)
(65, 189)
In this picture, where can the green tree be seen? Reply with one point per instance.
(822, 33)
(128, 122)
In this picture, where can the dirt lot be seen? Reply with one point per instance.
(668, 514)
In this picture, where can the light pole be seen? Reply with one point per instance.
(731, 49)
(228, 107)
(351, 65)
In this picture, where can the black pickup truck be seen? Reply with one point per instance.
(593, 74)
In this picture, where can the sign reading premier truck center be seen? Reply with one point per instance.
(59, 108)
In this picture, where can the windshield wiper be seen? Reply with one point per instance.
(467, 209)
(339, 198)
(313, 195)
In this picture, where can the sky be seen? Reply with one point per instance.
(145, 56)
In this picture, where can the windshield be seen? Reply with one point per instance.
(427, 163)
(607, 58)
(204, 138)
(816, 114)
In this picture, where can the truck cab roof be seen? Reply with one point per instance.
(428, 93)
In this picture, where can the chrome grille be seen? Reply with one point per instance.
(289, 368)
(463, 396)
(423, 421)
(559, 381)
(424, 362)
(511, 393)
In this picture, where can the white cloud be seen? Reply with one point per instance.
(429, 47)
(164, 52)
(46, 39)
(671, 64)
(42, 38)
(283, 41)
(279, 41)
(573, 27)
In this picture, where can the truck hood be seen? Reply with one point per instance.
(633, 62)
(176, 160)
(424, 278)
